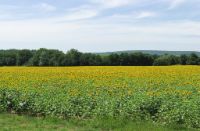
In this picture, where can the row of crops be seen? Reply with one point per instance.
(166, 95)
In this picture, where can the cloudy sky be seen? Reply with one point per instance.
(100, 25)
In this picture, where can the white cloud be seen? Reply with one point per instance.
(176, 3)
(45, 7)
(79, 15)
(119, 30)
(100, 36)
(134, 16)
(16, 12)
(112, 3)
(146, 14)
(75, 14)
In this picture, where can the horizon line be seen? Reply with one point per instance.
(102, 51)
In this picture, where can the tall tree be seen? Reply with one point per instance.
(183, 59)
(193, 59)
(114, 59)
(23, 56)
(73, 57)
(44, 59)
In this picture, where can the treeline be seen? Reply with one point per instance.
(46, 57)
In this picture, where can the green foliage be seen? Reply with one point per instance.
(12, 122)
(164, 110)
(47, 57)
(193, 59)
(164, 95)
(153, 52)
(23, 57)
(167, 60)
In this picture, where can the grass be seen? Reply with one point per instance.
(12, 122)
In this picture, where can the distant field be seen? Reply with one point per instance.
(165, 95)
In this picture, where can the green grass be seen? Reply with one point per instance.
(11, 122)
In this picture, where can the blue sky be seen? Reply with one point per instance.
(100, 25)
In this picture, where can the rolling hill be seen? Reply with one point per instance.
(153, 52)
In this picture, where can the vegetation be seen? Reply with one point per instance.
(164, 95)
(154, 52)
(10, 122)
(45, 57)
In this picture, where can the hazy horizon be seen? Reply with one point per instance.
(101, 51)
(100, 25)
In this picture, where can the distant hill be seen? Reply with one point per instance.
(153, 52)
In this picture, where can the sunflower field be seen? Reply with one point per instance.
(165, 95)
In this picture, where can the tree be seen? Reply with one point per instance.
(161, 61)
(124, 59)
(23, 57)
(73, 57)
(9, 57)
(113, 59)
(98, 60)
(56, 58)
(183, 59)
(193, 59)
(89, 59)
(166, 60)
(174, 60)
(86, 59)
(44, 59)
(140, 59)
(105, 60)
(40, 58)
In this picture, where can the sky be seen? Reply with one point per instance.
(100, 25)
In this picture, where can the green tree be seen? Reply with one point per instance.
(56, 58)
(124, 59)
(23, 57)
(44, 59)
(183, 59)
(73, 57)
(113, 59)
(193, 59)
